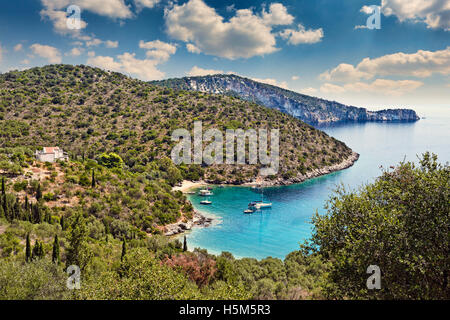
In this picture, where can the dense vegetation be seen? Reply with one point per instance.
(399, 223)
(87, 111)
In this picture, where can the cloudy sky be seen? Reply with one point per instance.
(318, 47)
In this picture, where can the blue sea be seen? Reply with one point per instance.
(276, 232)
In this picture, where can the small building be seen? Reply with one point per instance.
(51, 154)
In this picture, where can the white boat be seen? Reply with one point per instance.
(205, 192)
(248, 211)
(258, 205)
(205, 202)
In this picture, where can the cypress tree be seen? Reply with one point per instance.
(28, 249)
(184, 244)
(5, 207)
(62, 223)
(3, 187)
(38, 192)
(37, 217)
(16, 210)
(93, 179)
(124, 249)
(55, 252)
(26, 203)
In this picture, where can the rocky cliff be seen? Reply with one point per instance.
(309, 109)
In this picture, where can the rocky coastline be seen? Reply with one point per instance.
(180, 227)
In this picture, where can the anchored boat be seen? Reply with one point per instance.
(206, 202)
(205, 193)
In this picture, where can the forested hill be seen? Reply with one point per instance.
(88, 111)
(309, 109)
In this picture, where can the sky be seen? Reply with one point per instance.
(322, 48)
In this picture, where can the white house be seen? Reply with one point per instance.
(51, 154)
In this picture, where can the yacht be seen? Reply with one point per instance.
(205, 202)
(205, 192)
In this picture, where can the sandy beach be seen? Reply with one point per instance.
(187, 185)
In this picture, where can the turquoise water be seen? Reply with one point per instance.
(278, 231)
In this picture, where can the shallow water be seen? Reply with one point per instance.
(276, 232)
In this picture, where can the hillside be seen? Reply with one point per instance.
(309, 109)
(87, 111)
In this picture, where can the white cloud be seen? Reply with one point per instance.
(295, 78)
(144, 69)
(18, 47)
(111, 44)
(272, 82)
(25, 61)
(141, 4)
(191, 48)
(366, 10)
(59, 20)
(75, 52)
(419, 64)
(93, 42)
(277, 15)
(158, 50)
(308, 91)
(198, 72)
(245, 35)
(344, 73)
(50, 53)
(434, 13)
(379, 86)
(107, 8)
(91, 54)
(302, 35)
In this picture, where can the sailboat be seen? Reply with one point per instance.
(259, 204)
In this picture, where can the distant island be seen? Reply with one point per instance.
(309, 109)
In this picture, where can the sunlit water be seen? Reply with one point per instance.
(278, 231)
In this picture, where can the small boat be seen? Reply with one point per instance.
(248, 211)
(205, 202)
(205, 192)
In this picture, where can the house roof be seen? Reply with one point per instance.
(51, 149)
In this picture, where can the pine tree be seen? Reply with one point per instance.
(55, 252)
(3, 187)
(184, 244)
(93, 179)
(28, 249)
(124, 249)
(38, 192)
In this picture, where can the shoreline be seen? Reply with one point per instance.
(203, 221)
